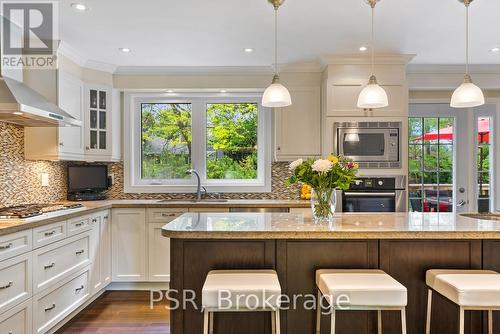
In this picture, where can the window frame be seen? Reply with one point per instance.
(133, 182)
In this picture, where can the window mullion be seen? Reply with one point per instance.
(199, 138)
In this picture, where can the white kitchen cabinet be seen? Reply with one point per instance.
(159, 254)
(95, 254)
(18, 320)
(129, 245)
(97, 122)
(343, 101)
(298, 127)
(59, 143)
(105, 248)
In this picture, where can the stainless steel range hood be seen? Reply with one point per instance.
(21, 105)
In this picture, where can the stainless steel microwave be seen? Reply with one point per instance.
(371, 144)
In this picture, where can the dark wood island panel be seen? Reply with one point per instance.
(191, 260)
(491, 261)
(297, 263)
(408, 260)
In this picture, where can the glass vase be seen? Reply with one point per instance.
(323, 202)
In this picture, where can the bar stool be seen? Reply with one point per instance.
(477, 290)
(359, 289)
(241, 291)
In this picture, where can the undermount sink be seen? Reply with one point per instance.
(483, 216)
(205, 200)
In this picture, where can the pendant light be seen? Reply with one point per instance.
(276, 95)
(467, 95)
(373, 96)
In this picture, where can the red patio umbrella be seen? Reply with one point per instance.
(483, 133)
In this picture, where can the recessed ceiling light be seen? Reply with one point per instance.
(223, 91)
(248, 50)
(170, 91)
(497, 49)
(124, 50)
(79, 6)
(363, 48)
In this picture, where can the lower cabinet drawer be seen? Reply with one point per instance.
(78, 225)
(47, 234)
(15, 244)
(54, 262)
(15, 281)
(17, 320)
(52, 306)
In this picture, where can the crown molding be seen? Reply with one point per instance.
(69, 52)
(100, 66)
(452, 69)
(357, 59)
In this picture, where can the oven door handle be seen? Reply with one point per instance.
(385, 194)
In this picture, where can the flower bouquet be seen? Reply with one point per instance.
(324, 176)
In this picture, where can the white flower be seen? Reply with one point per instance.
(295, 164)
(322, 166)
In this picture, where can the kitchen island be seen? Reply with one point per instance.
(403, 245)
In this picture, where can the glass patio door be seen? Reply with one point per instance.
(438, 152)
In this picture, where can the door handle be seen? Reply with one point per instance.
(461, 203)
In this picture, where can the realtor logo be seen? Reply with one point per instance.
(29, 33)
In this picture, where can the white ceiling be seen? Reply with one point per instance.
(214, 32)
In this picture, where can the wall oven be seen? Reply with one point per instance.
(376, 194)
(371, 144)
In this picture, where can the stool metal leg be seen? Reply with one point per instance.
(403, 320)
(211, 322)
(318, 313)
(462, 330)
(490, 322)
(278, 323)
(429, 312)
(332, 321)
(273, 322)
(205, 322)
(379, 321)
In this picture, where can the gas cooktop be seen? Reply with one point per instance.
(33, 210)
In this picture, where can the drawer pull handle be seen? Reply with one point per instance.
(79, 224)
(48, 266)
(50, 308)
(80, 252)
(106, 217)
(94, 220)
(79, 289)
(48, 234)
(168, 214)
(6, 286)
(9, 245)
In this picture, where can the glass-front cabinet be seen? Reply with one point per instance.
(98, 120)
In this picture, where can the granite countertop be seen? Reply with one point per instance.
(345, 226)
(14, 225)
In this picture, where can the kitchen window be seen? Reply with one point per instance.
(225, 137)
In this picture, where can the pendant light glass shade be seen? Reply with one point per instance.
(276, 95)
(467, 95)
(373, 96)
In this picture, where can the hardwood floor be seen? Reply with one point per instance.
(121, 312)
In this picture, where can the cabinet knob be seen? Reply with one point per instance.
(278, 148)
(61, 144)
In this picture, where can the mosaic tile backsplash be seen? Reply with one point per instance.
(20, 179)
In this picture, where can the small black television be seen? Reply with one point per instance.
(86, 182)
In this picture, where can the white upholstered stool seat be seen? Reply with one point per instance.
(359, 289)
(469, 289)
(241, 291)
